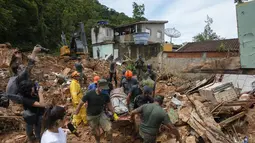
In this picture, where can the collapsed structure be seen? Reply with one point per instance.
(205, 110)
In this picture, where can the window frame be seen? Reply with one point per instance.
(161, 34)
(150, 32)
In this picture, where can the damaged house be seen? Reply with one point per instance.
(140, 38)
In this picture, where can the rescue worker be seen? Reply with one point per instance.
(139, 66)
(128, 81)
(76, 93)
(113, 73)
(129, 85)
(152, 76)
(107, 78)
(93, 85)
(153, 115)
(122, 77)
(144, 98)
(97, 118)
(151, 73)
(134, 92)
(147, 81)
(79, 68)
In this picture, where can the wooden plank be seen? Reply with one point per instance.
(231, 119)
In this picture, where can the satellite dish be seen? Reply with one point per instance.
(172, 33)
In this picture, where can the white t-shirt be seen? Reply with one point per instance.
(50, 137)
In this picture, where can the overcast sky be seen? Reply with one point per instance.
(187, 16)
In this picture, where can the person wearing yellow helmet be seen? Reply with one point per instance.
(76, 93)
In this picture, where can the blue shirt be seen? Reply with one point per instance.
(92, 86)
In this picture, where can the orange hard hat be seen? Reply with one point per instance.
(128, 74)
(96, 79)
(75, 74)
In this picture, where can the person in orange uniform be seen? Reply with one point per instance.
(77, 94)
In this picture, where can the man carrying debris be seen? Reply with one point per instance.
(21, 73)
(113, 73)
(96, 116)
(76, 93)
(93, 85)
(153, 116)
(139, 66)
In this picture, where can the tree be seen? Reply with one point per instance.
(208, 33)
(25, 23)
(138, 11)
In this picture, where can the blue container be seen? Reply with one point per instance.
(141, 38)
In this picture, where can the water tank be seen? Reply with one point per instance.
(141, 38)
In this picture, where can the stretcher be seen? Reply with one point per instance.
(119, 103)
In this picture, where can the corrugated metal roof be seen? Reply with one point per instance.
(211, 46)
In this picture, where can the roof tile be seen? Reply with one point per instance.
(211, 46)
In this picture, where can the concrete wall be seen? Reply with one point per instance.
(105, 34)
(178, 63)
(154, 29)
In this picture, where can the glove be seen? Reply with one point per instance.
(115, 117)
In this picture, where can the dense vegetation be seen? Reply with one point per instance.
(27, 22)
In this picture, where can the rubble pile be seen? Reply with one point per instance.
(230, 63)
(53, 73)
(203, 111)
(212, 112)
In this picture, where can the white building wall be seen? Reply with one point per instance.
(105, 34)
(105, 50)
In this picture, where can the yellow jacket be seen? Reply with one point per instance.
(76, 92)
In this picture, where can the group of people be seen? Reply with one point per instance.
(22, 90)
(93, 107)
(144, 104)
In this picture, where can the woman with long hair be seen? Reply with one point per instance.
(53, 120)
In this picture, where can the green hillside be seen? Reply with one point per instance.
(27, 22)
